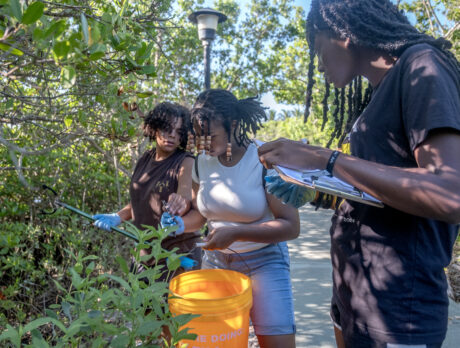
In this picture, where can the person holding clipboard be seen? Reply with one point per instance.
(389, 285)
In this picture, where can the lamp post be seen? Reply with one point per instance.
(207, 20)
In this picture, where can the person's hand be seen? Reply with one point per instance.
(292, 194)
(293, 154)
(106, 221)
(168, 220)
(177, 205)
(219, 238)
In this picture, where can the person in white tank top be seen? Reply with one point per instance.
(247, 226)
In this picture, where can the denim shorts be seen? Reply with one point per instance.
(272, 312)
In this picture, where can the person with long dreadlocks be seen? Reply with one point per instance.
(162, 174)
(248, 227)
(389, 285)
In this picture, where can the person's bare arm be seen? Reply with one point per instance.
(432, 190)
(126, 213)
(193, 220)
(180, 202)
(285, 226)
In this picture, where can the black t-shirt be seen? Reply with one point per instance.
(388, 266)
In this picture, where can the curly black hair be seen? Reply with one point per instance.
(222, 105)
(375, 24)
(162, 118)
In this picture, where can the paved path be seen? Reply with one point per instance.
(311, 281)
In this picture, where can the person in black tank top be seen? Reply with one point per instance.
(389, 285)
(161, 174)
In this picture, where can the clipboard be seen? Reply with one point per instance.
(322, 181)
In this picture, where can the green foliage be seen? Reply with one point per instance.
(105, 309)
(73, 72)
(291, 126)
(439, 18)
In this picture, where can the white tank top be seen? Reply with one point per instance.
(232, 196)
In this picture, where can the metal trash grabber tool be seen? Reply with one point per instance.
(58, 203)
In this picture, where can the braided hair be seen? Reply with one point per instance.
(374, 24)
(162, 118)
(223, 106)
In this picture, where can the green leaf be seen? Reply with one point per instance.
(10, 49)
(66, 306)
(68, 121)
(122, 262)
(68, 78)
(149, 326)
(56, 29)
(115, 40)
(123, 8)
(59, 286)
(184, 335)
(183, 319)
(97, 51)
(94, 314)
(96, 55)
(77, 326)
(37, 340)
(84, 27)
(144, 94)
(95, 33)
(76, 279)
(98, 342)
(61, 49)
(90, 257)
(36, 324)
(148, 69)
(11, 334)
(38, 34)
(121, 341)
(173, 262)
(33, 12)
(16, 9)
(51, 314)
(121, 281)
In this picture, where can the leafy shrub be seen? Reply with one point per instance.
(291, 126)
(100, 309)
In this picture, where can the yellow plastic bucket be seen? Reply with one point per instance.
(223, 299)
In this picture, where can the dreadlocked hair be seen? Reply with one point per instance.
(223, 106)
(163, 117)
(374, 24)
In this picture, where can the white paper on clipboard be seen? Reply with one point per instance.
(316, 180)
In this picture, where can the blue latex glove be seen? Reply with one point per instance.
(187, 263)
(168, 220)
(292, 194)
(106, 221)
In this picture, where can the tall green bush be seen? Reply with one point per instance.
(94, 308)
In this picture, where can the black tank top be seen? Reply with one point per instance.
(152, 182)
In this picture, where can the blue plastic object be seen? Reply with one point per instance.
(187, 263)
(292, 194)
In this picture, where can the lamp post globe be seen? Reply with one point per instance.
(207, 20)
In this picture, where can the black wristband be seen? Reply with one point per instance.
(331, 161)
